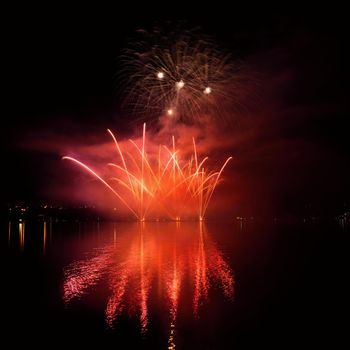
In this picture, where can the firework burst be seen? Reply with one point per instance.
(182, 77)
(157, 185)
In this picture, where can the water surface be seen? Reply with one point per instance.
(171, 285)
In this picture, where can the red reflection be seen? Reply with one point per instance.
(149, 262)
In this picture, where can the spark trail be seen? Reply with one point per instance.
(168, 185)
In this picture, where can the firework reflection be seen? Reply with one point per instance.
(152, 261)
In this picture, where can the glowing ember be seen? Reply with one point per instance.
(207, 90)
(180, 84)
(164, 185)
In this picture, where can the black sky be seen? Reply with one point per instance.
(60, 63)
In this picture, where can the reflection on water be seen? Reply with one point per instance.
(21, 230)
(171, 262)
(157, 285)
(17, 234)
(44, 237)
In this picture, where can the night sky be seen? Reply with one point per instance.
(293, 148)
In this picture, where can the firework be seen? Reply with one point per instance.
(163, 185)
(184, 77)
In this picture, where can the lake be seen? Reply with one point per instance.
(173, 285)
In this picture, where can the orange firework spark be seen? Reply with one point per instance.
(165, 186)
